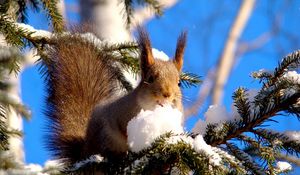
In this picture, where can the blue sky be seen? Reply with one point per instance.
(206, 36)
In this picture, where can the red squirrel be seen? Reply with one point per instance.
(84, 117)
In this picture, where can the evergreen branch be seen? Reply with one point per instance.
(289, 158)
(236, 128)
(232, 163)
(8, 161)
(189, 79)
(245, 159)
(160, 158)
(265, 152)
(127, 54)
(289, 62)
(10, 58)
(154, 4)
(4, 6)
(13, 35)
(22, 4)
(242, 104)
(4, 133)
(34, 4)
(6, 101)
(281, 95)
(53, 15)
(181, 156)
(129, 8)
(290, 146)
(21, 12)
(262, 75)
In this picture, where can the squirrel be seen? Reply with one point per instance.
(85, 118)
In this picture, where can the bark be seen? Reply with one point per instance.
(107, 18)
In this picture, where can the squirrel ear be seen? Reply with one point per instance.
(146, 50)
(181, 42)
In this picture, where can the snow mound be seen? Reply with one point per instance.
(148, 125)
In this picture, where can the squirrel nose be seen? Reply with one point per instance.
(167, 94)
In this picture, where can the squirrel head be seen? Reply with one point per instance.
(160, 80)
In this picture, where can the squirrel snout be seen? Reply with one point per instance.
(166, 94)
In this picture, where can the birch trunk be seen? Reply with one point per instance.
(227, 57)
(107, 18)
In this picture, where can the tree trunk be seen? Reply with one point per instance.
(107, 18)
(227, 57)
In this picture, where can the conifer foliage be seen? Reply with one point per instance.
(242, 145)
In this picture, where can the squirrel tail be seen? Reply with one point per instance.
(78, 77)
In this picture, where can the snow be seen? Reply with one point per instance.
(200, 127)
(292, 76)
(200, 145)
(177, 138)
(261, 72)
(37, 33)
(8, 52)
(293, 135)
(214, 114)
(92, 38)
(92, 159)
(148, 125)
(283, 166)
(52, 164)
(157, 54)
(34, 167)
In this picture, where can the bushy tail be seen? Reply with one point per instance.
(78, 77)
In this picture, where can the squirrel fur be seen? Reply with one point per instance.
(85, 118)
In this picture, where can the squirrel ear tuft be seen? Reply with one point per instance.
(181, 42)
(146, 50)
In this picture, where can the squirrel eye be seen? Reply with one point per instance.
(150, 79)
(179, 83)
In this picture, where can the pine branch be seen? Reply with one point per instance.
(232, 129)
(53, 14)
(4, 133)
(10, 58)
(188, 79)
(289, 62)
(154, 4)
(265, 152)
(289, 158)
(270, 101)
(242, 104)
(160, 158)
(129, 8)
(4, 6)
(286, 144)
(127, 54)
(21, 13)
(245, 159)
(13, 35)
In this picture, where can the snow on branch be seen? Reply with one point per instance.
(283, 167)
(293, 135)
(92, 159)
(34, 32)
